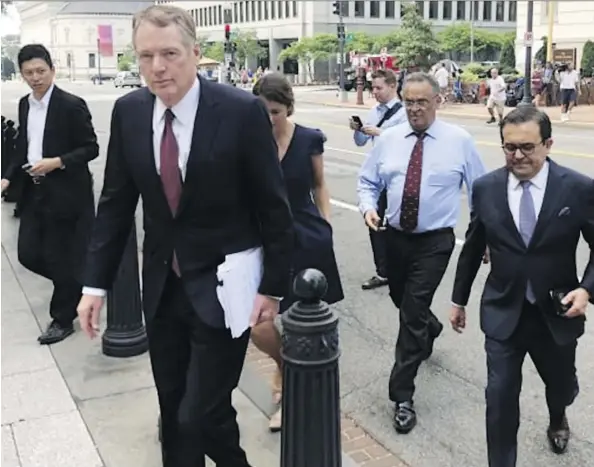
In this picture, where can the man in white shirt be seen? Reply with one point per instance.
(443, 78)
(569, 83)
(497, 96)
(530, 214)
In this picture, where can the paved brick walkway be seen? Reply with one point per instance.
(360, 446)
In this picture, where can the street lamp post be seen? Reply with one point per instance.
(527, 99)
(98, 60)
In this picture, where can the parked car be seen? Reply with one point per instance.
(127, 78)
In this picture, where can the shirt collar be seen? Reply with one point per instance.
(539, 180)
(432, 131)
(44, 101)
(184, 110)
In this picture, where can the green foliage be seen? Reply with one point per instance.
(588, 59)
(418, 42)
(390, 41)
(456, 38)
(214, 51)
(470, 77)
(308, 49)
(541, 55)
(361, 43)
(507, 58)
(247, 46)
(128, 59)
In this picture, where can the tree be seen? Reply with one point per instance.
(248, 46)
(508, 55)
(308, 50)
(418, 42)
(214, 51)
(390, 41)
(127, 60)
(541, 55)
(457, 38)
(362, 43)
(588, 59)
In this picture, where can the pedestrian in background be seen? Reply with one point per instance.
(422, 166)
(387, 113)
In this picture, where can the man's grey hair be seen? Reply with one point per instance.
(422, 77)
(165, 15)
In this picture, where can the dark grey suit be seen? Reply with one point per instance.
(512, 326)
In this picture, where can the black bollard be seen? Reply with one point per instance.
(310, 434)
(125, 335)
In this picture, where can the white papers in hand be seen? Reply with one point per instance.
(239, 279)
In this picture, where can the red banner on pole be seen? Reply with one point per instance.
(105, 39)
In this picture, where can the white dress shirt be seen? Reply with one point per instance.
(537, 189)
(36, 125)
(183, 129)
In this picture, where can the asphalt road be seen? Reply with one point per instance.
(450, 396)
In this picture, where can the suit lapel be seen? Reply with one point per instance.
(206, 125)
(52, 119)
(553, 198)
(23, 127)
(503, 205)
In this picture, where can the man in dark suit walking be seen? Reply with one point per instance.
(56, 141)
(203, 158)
(530, 215)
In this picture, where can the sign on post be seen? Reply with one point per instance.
(528, 39)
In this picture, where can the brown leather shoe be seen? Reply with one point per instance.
(559, 436)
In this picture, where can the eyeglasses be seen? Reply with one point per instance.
(421, 103)
(526, 149)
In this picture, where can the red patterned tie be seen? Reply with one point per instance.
(170, 173)
(409, 209)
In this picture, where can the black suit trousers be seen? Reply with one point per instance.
(416, 265)
(378, 239)
(53, 247)
(196, 368)
(555, 365)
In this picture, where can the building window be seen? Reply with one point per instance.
(344, 7)
(487, 10)
(241, 16)
(359, 9)
(279, 8)
(512, 12)
(374, 9)
(433, 10)
(92, 60)
(287, 9)
(460, 10)
(475, 10)
(259, 4)
(66, 35)
(447, 10)
(295, 8)
(220, 15)
(544, 11)
(210, 16)
(272, 10)
(421, 8)
(500, 11)
(265, 11)
(390, 9)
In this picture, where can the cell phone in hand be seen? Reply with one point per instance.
(26, 167)
(357, 120)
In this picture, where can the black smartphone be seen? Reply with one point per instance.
(557, 297)
(26, 167)
(357, 121)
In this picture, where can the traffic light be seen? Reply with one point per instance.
(227, 32)
(340, 31)
(337, 8)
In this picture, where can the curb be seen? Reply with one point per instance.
(358, 447)
(441, 112)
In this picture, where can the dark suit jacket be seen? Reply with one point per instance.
(68, 134)
(233, 196)
(549, 261)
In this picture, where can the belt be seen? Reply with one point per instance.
(428, 233)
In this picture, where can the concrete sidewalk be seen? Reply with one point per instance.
(68, 405)
(581, 116)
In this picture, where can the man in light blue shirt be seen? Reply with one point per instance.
(422, 165)
(387, 113)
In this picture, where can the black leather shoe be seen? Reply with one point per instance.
(559, 436)
(374, 283)
(55, 333)
(405, 417)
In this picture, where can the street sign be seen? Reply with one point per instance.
(349, 38)
(528, 39)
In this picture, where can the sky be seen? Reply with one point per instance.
(10, 23)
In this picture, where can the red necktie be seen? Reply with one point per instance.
(409, 209)
(170, 173)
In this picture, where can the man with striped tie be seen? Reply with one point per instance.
(422, 165)
(530, 215)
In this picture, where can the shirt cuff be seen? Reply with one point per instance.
(458, 306)
(279, 299)
(364, 208)
(94, 291)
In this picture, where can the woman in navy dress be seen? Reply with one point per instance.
(301, 152)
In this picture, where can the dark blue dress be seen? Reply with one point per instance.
(314, 247)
